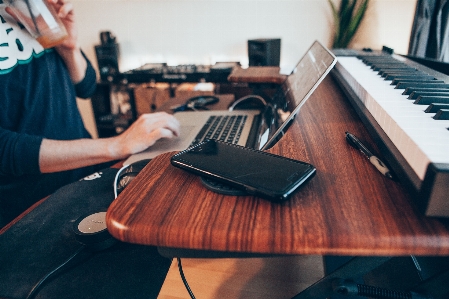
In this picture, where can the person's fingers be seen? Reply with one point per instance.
(65, 10)
(174, 126)
(161, 120)
(11, 13)
(163, 133)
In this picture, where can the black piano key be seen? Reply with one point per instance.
(385, 73)
(395, 68)
(393, 77)
(409, 90)
(423, 100)
(378, 58)
(378, 67)
(386, 63)
(404, 85)
(414, 95)
(433, 108)
(416, 80)
(442, 114)
(370, 60)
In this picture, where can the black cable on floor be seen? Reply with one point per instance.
(184, 279)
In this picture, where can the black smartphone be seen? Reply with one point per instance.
(259, 173)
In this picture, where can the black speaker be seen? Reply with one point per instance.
(264, 52)
(108, 55)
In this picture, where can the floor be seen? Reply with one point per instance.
(280, 277)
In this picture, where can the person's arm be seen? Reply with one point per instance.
(56, 155)
(18, 153)
(70, 50)
(75, 62)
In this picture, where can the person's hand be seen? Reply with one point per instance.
(64, 10)
(145, 131)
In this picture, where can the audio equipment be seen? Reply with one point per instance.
(91, 230)
(264, 52)
(161, 72)
(108, 54)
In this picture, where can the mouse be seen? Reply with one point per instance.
(129, 173)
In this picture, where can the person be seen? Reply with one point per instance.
(43, 142)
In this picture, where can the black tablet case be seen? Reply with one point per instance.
(44, 239)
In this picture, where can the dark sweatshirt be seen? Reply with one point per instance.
(37, 100)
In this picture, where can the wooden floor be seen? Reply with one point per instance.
(280, 277)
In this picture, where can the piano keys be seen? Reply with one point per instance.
(405, 106)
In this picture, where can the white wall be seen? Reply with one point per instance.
(206, 31)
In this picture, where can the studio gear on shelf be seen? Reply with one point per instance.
(197, 103)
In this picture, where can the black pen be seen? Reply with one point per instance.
(355, 142)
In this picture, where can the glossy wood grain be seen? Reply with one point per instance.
(348, 208)
(257, 74)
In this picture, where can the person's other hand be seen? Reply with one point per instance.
(145, 131)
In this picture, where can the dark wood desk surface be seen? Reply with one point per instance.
(348, 208)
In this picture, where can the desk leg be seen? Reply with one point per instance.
(353, 269)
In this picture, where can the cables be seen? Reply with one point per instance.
(184, 280)
(117, 176)
(231, 108)
(126, 174)
(36, 287)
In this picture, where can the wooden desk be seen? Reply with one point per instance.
(348, 208)
(257, 74)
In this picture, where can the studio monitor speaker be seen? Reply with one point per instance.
(264, 52)
(107, 57)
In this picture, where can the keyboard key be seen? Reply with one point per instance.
(224, 128)
(433, 108)
(427, 100)
(442, 114)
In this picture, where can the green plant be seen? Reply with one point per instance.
(347, 20)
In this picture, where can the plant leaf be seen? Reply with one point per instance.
(358, 16)
(347, 20)
(357, 19)
(336, 17)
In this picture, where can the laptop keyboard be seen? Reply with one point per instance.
(222, 127)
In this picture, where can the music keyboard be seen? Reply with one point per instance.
(397, 95)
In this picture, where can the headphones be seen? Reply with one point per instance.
(197, 102)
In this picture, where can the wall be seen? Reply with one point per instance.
(207, 31)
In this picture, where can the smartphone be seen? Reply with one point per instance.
(258, 173)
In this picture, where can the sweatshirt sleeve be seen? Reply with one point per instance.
(19, 153)
(86, 88)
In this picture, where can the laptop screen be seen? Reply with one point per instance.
(293, 93)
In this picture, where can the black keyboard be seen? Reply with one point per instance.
(224, 128)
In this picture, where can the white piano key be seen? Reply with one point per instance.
(418, 137)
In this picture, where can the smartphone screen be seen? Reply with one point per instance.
(270, 176)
